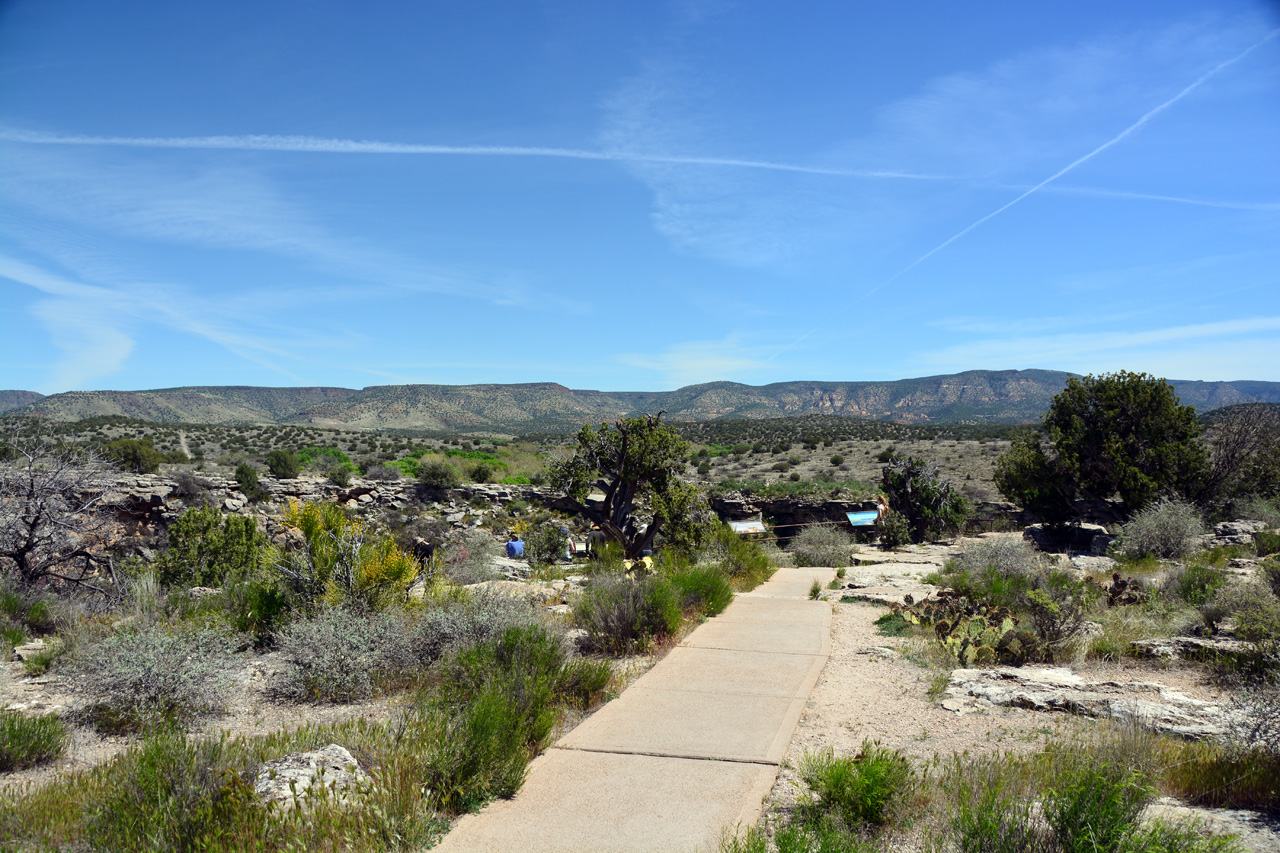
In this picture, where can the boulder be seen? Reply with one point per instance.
(1071, 537)
(1148, 704)
(289, 779)
(1096, 566)
(1238, 528)
(1194, 648)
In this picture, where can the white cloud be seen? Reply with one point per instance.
(692, 362)
(1218, 350)
(218, 207)
(1013, 124)
(90, 344)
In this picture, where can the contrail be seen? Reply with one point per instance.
(1146, 117)
(1150, 114)
(323, 145)
(1263, 206)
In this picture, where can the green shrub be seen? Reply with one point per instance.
(497, 707)
(1216, 775)
(622, 614)
(860, 789)
(171, 793)
(434, 474)
(342, 562)
(892, 625)
(29, 741)
(1167, 529)
(932, 505)
(337, 655)
(1196, 584)
(837, 459)
(340, 476)
(39, 662)
(257, 607)
(1270, 574)
(28, 609)
(702, 589)
(323, 458)
(206, 548)
(133, 454)
(822, 545)
(894, 529)
(1095, 806)
(1057, 608)
(991, 807)
(460, 623)
(283, 464)
(1266, 543)
(247, 480)
(152, 676)
(546, 544)
(744, 561)
(1260, 509)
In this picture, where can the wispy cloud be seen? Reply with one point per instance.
(1084, 158)
(693, 362)
(326, 145)
(93, 326)
(223, 207)
(1201, 350)
(984, 131)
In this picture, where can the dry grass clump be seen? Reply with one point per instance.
(1167, 528)
(156, 674)
(819, 545)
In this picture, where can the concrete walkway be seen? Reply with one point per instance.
(692, 747)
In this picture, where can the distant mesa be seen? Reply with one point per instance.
(10, 400)
(975, 396)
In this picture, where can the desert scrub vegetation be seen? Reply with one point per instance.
(1086, 796)
(1167, 528)
(466, 738)
(205, 548)
(467, 557)
(153, 675)
(342, 560)
(26, 741)
(342, 655)
(624, 614)
(745, 562)
(821, 545)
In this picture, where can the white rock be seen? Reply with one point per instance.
(289, 779)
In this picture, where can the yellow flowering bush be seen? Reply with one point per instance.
(341, 562)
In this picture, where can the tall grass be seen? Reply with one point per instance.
(28, 741)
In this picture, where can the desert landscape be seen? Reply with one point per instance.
(276, 591)
(676, 427)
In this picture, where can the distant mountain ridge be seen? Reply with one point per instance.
(16, 399)
(975, 396)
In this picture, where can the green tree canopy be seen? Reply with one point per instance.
(283, 464)
(633, 463)
(138, 455)
(928, 501)
(1120, 434)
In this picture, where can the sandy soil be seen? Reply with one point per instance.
(878, 688)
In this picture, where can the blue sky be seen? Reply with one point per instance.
(635, 196)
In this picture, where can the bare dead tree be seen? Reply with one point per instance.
(50, 529)
(1239, 440)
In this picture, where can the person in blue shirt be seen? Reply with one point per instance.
(515, 547)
